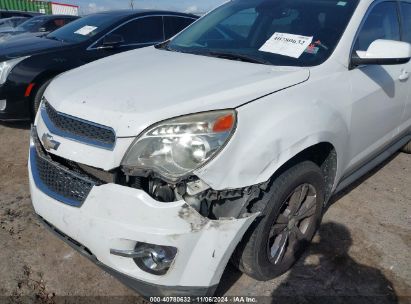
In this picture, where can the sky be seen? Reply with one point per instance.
(189, 6)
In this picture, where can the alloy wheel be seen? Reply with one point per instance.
(296, 216)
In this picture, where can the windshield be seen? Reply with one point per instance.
(6, 24)
(84, 28)
(32, 25)
(278, 32)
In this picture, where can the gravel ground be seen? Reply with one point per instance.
(361, 253)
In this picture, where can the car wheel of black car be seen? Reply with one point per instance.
(38, 96)
(407, 148)
(291, 211)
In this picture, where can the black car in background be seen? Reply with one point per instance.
(28, 65)
(37, 26)
(9, 14)
(7, 24)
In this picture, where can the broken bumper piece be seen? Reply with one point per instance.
(119, 218)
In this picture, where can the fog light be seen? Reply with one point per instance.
(3, 104)
(155, 259)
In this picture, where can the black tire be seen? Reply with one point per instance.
(254, 255)
(38, 96)
(407, 148)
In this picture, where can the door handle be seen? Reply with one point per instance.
(404, 75)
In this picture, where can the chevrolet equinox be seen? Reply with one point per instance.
(225, 142)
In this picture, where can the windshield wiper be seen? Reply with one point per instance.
(224, 55)
(241, 57)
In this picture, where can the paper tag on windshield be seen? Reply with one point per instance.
(85, 30)
(287, 44)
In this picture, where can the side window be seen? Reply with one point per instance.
(64, 21)
(52, 25)
(406, 21)
(174, 25)
(143, 30)
(381, 23)
(59, 23)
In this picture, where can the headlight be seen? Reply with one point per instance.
(7, 66)
(176, 147)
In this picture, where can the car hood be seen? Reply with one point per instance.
(133, 90)
(28, 45)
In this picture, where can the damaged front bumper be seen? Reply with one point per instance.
(118, 217)
(141, 287)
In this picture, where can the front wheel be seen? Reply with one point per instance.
(291, 211)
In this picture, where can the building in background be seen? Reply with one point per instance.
(43, 7)
(64, 9)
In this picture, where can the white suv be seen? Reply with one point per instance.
(226, 142)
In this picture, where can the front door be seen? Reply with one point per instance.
(379, 92)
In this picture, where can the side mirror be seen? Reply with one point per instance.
(383, 52)
(112, 41)
(42, 30)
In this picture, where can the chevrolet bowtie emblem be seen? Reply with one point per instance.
(49, 143)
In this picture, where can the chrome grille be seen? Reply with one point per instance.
(56, 180)
(75, 128)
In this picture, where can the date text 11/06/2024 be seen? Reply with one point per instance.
(239, 299)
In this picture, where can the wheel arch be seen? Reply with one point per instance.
(42, 78)
(38, 81)
(324, 155)
(319, 148)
